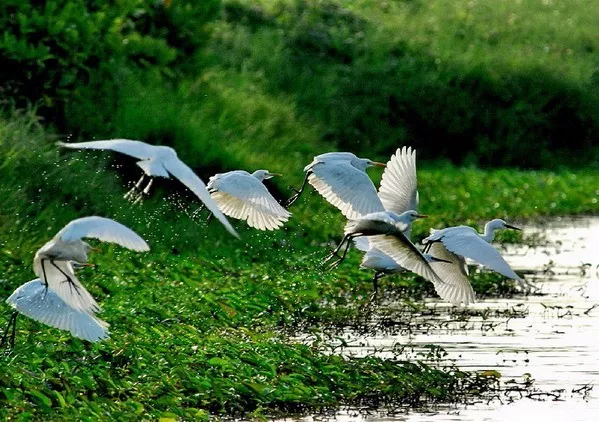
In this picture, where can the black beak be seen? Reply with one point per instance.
(440, 260)
(507, 226)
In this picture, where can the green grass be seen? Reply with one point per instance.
(204, 323)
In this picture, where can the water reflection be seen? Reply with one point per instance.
(554, 336)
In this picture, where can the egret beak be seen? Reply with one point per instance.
(422, 216)
(273, 174)
(377, 163)
(433, 259)
(507, 226)
(86, 264)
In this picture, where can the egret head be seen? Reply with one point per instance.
(500, 224)
(410, 216)
(364, 163)
(264, 174)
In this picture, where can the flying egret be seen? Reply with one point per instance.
(340, 177)
(33, 300)
(242, 195)
(51, 261)
(466, 242)
(392, 226)
(157, 161)
(450, 268)
(53, 264)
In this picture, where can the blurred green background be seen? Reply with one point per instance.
(238, 83)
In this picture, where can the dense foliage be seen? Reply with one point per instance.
(53, 52)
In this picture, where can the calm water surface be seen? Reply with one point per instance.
(554, 336)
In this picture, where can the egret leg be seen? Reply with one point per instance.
(12, 321)
(135, 188)
(143, 193)
(335, 252)
(297, 194)
(68, 279)
(342, 257)
(375, 286)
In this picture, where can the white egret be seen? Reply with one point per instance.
(64, 301)
(450, 268)
(340, 177)
(398, 193)
(33, 300)
(242, 195)
(385, 228)
(157, 161)
(466, 242)
(51, 261)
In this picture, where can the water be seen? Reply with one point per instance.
(554, 336)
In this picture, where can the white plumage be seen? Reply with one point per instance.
(34, 301)
(340, 177)
(52, 261)
(242, 195)
(466, 242)
(158, 161)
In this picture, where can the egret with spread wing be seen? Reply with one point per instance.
(386, 231)
(340, 177)
(465, 241)
(242, 195)
(63, 293)
(157, 161)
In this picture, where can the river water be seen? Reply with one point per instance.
(551, 337)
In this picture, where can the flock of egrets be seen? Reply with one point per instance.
(379, 223)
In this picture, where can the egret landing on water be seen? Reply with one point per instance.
(340, 177)
(242, 195)
(466, 242)
(63, 302)
(157, 161)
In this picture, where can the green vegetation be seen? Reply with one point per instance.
(205, 323)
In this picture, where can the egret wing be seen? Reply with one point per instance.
(346, 187)
(137, 149)
(34, 301)
(61, 279)
(362, 243)
(457, 288)
(470, 245)
(405, 254)
(181, 171)
(398, 191)
(244, 197)
(103, 229)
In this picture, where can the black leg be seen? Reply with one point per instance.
(68, 279)
(12, 321)
(347, 239)
(297, 194)
(336, 250)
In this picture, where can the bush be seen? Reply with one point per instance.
(51, 51)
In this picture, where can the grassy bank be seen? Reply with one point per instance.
(206, 324)
(201, 324)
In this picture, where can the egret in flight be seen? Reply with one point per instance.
(395, 203)
(340, 177)
(242, 195)
(157, 161)
(465, 242)
(33, 300)
(386, 228)
(63, 300)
